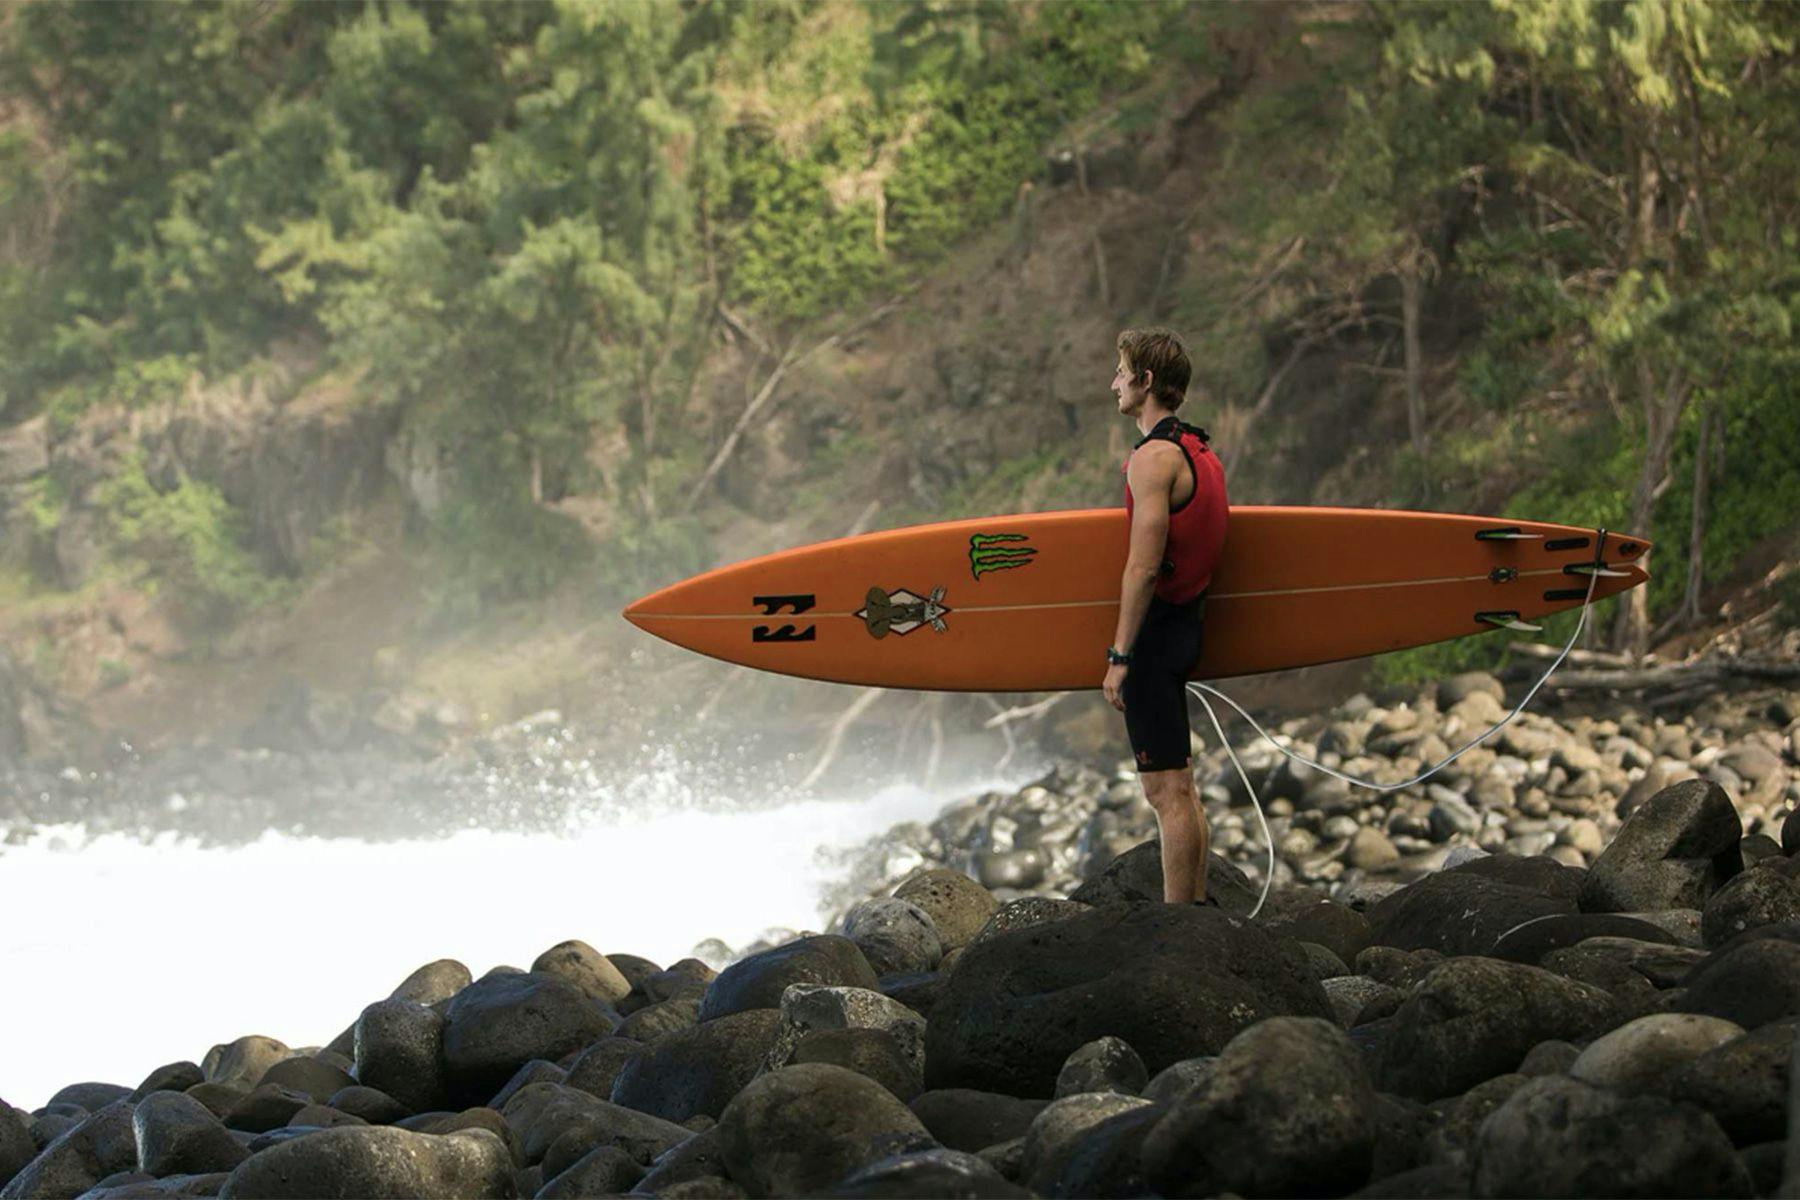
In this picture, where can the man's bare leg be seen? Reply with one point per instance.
(1185, 837)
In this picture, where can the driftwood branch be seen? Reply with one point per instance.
(841, 726)
(1706, 673)
(1025, 712)
(1579, 658)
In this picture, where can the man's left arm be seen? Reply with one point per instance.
(1150, 476)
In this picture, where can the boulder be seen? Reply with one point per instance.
(243, 1062)
(1054, 1134)
(698, 1070)
(1750, 901)
(1474, 1018)
(810, 1008)
(89, 1150)
(1557, 1136)
(1529, 942)
(1173, 981)
(175, 1134)
(1640, 1055)
(968, 1119)
(894, 935)
(596, 1069)
(1457, 912)
(757, 981)
(375, 1161)
(1136, 877)
(1743, 1083)
(957, 906)
(1337, 927)
(1674, 851)
(871, 1052)
(805, 1127)
(926, 1173)
(1286, 1111)
(586, 968)
(1752, 983)
(399, 1051)
(501, 1022)
(1107, 1064)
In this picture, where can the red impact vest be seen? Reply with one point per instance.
(1197, 528)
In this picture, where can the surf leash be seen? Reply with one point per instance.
(1200, 689)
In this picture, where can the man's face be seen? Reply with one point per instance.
(1131, 395)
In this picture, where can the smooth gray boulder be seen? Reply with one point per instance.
(968, 1119)
(1640, 1055)
(806, 1127)
(1107, 1064)
(1674, 851)
(399, 1050)
(499, 1023)
(370, 1161)
(94, 1147)
(697, 1070)
(759, 980)
(894, 935)
(1052, 1137)
(810, 1008)
(175, 1134)
(586, 968)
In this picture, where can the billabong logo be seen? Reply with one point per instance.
(997, 552)
(901, 612)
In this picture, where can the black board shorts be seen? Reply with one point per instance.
(1155, 691)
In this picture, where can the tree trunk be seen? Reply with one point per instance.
(1690, 602)
(1415, 366)
(1662, 412)
(537, 475)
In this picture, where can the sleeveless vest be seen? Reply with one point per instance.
(1197, 527)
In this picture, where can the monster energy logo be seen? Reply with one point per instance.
(992, 552)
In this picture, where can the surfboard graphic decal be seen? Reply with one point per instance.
(902, 612)
(998, 552)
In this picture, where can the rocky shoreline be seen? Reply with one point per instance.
(1569, 965)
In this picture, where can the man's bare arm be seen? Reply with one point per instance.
(1151, 474)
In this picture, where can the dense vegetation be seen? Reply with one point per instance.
(1566, 230)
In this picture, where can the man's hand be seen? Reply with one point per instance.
(1111, 685)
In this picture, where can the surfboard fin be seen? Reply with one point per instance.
(1506, 533)
(1598, 568)
(1508, 620)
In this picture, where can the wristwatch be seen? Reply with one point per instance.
(1116, 659)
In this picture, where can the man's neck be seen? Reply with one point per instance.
(1152, 415)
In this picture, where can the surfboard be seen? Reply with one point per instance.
(1029, 602)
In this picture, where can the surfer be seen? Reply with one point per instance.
(1175, 498)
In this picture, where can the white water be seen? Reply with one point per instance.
(117, 955)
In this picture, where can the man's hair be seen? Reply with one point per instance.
(1161, 353)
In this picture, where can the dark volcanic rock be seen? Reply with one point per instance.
(433, 982)
(895, 936)
(1753, 983)
(1743, 1083)
(1136, 877)
(957, 905)
(1560, 1137)
(1174, 981)
(93, 1148)
(268, 1106)
(320, 1080)
(498, 1024)
(1340, 929)
(875, 1053)
(175, 1134)
(656, 1021)
(698, 1070)
(597, 1068)
(89, 1096)
(243, 1061)
(1106, 1064)
(544, 1113)
(1753, 900)
(1457, 912)
(175, 1077)
(602, 1171)
(1287, 1111)
(586, 968)
(16, 1146)
(376, 1161)
(1474, 1018)
(371, 1104)
(967, 1119)
(399, 1049)
(759, 980)
(1673, 852)
(805, 1127)
(1528, 943)
(926, 1173)
(1056, 1132)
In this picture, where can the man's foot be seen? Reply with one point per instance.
(1209, 902)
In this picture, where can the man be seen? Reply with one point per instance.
(1175, 498)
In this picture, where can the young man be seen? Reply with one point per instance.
(1175, 495)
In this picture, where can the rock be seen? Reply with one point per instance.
(967, 1119)
(371, 1104)
(1584, 835)
(1474, 1018)
(16, 1146)
(689, 976)
(90, 1097)
(1287, 1111)
(376, 1161)
(808, 1008)
(871, 1052)
(698, 1070)
(917, 990)
(803, 1128)
(759, 980)
(1551, 1057)
(498, 1024)
(317, 1079)
(399, 1051)
(1370, 850)
(1457, 912)
(1751, 900)
(1639, 1055)
(218, 1097)
(957, 906)
(243, 1062)
(1136, 877)
(1609, 961)
(1055, 1133)
(1452, 815)
(175, 1077)
(434, 981)
(596, 1069)
(1560, 1137)
(1433, 1181)
(543, 1114)
(586, 968)
(603, 1171)
(1742, 1083)
(89, 1150)
(1174, 981)
(1338, 928)
(1106, 1064)
(926, 1173)
(657, 1021)
(1019, 914)
(1673, 852)
(1530, 942)
(1177, 1079)
(1351, 994)
(175, 1134)
(323, 1116)
(1401, 969)
(895, 936)
(1017, 869)
(698, 1157)
(1462, 1116)
(535, 1071)
(1457, 688)
(267, 1106)
(1752, 983)
(1107, 1160)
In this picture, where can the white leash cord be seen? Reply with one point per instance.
(1199, 688)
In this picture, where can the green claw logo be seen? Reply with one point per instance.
(992, 552)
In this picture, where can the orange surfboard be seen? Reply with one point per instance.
(1029, 603)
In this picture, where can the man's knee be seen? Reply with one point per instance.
(1167, 790)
